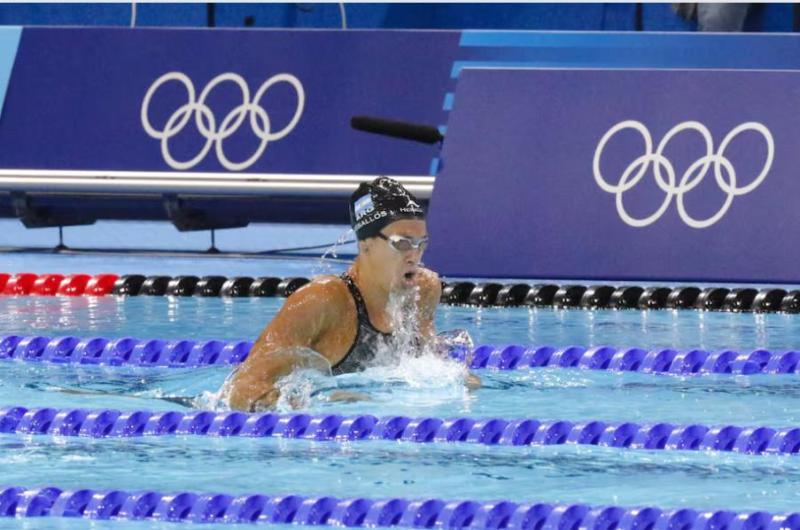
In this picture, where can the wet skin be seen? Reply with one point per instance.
(322, 315)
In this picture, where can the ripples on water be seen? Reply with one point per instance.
(380, 469)
(414, 387)
(221, 318)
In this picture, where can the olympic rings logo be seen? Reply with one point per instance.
(664, 172)
(206, 123)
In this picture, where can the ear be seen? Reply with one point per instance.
(363, 246)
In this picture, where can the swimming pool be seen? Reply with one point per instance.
(596, 475)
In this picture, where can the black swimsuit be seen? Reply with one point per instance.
(368, 339)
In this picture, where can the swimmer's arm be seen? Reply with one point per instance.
(304, 317)
(429, 303)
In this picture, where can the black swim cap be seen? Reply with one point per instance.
(381, 202)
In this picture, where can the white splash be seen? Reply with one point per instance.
(323, 266)
(402, 360)
(216, 401)
(301, 388)
(406, 359)
(426, 371)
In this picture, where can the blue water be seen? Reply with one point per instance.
(412, 387)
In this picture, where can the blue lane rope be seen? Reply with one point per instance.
(191, 353)
(679, 362)
(123, 351)
(112, 423)
(187, 506)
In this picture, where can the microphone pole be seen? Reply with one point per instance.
(425, 134)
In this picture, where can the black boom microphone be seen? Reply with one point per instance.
(397, 129)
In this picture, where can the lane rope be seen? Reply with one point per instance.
(187, 353)
(111, 423)
(188, 506)
(741, 299)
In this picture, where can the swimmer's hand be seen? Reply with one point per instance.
(472, 381)
(265, 402)
(256, 385)
(348, 397)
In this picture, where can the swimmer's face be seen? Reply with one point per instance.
(398, 268)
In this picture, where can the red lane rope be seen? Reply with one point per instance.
(27, 283)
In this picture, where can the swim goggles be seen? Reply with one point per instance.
(404, 244)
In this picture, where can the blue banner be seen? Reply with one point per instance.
(221, 100)
(620, 174)
(9, 42)
(279, 101)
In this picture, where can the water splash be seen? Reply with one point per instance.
(404, 342)
(216, 401)
(323, 265)
(302, 389)
(405, 358)
(456, 339)
(426, 371)
(401, 359)
(311, 373)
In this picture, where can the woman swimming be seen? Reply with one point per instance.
(339, 322)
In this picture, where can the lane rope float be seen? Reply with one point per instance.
(598, 296)
(187, 353)
(359, 512)
(111, 423)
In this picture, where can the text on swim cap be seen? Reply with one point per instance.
(369, 219)
(363, 206)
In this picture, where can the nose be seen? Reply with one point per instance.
(413, 256)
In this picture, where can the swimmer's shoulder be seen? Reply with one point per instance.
(325, 290)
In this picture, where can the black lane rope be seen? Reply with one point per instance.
(495, 294)
(741, 299)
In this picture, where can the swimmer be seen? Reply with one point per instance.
(337, 323)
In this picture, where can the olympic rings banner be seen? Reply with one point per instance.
(221, 100)
(620, 174)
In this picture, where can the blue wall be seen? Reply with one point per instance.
(619, 17)
(192, 15)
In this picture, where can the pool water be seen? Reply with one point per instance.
(414, 387)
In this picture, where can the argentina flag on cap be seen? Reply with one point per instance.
(363, 205)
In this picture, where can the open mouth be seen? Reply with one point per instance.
(409, 276)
